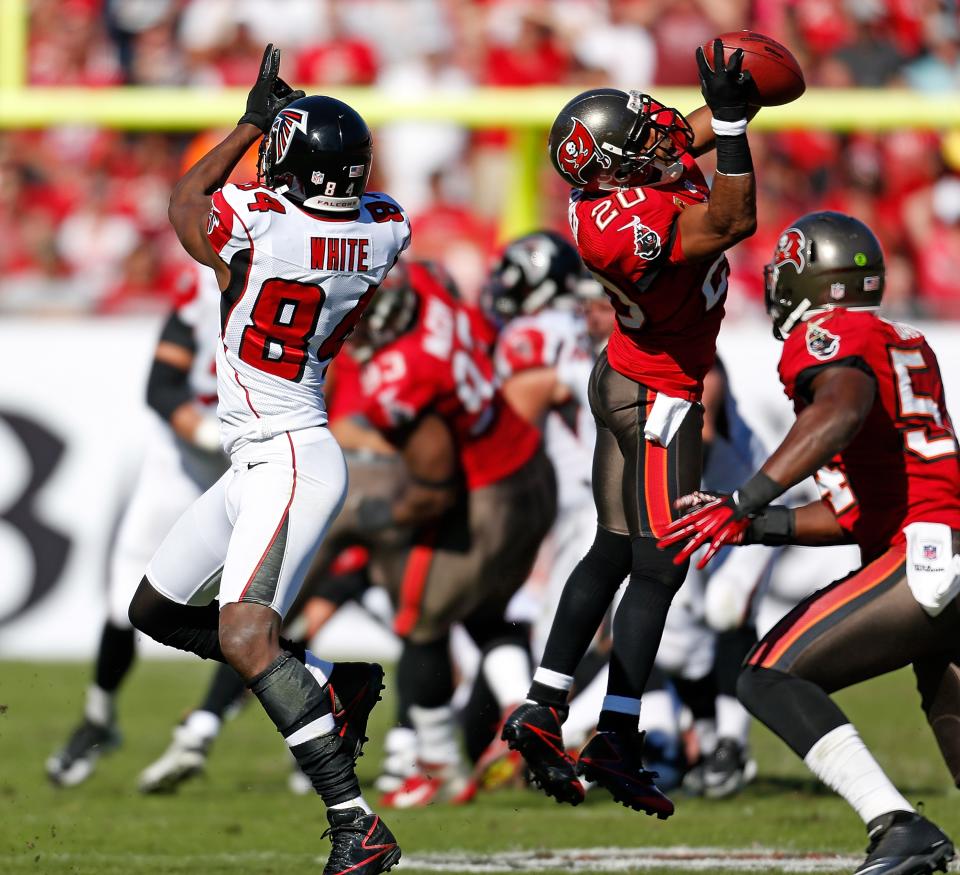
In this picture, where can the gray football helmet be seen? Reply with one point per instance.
(822, 260)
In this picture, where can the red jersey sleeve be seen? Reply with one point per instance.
(520, 349)
(346, 398)
(630, 234)
(397, 392)
(839, 338)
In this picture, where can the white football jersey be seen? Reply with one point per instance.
(557, 338)
(299, 284)
(201, 313)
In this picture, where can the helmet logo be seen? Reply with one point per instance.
(821, 344)
(286, 122)
(577, 150)
(789, 250)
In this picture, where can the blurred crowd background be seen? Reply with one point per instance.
(83, 211)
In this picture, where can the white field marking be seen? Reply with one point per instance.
(679, 859)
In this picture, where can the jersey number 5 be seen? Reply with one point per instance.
(935, 439)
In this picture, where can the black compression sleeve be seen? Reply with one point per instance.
(177, 332)
(167, 388)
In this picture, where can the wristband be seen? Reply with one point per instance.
(756, 494)
(775, 527)
(728, 129)
(733, 155)
(207, 434)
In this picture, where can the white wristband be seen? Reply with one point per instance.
(207, 434)
(728, 129)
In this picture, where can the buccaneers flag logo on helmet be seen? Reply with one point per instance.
(577, 150)
(790, 248)
(286, 122)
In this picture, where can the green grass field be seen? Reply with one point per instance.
(240, 818)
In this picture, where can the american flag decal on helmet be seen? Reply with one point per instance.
(281, 134)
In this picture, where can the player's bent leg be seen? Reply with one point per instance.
(938, 682)
(838, 636)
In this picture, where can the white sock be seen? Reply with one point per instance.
(357, 802)
(554, 679)
(507, 671)
(621, 705)
(733, 720)
(99, 706)
(202, 725)
(658, 713)
(584, 708)
(319, 668)
(841, 760)
(706, 730)
(436, 734)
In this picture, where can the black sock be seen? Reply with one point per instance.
(699, 695)
(424, 675)
(586, 597)
(114, 657)
(226, 687)
(797, 710)
(638, 626)
(732, 649)
(293, 700)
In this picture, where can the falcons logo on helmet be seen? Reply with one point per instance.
(790, 249)
(577, 150)
(286, 122)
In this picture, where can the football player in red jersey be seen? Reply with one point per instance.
(654, 235)
(481, 496)
(871, 417)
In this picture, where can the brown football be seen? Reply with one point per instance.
(776, 74)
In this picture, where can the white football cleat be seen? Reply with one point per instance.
(185, 757)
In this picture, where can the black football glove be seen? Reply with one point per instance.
(269, 94)
(726, 88)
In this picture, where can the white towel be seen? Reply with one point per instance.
(933, 572)
(664, 419)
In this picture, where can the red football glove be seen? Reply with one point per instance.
(719, 522)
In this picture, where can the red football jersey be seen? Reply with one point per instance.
(668, 310)
(342, 391)
(438, 367)
(902, 467)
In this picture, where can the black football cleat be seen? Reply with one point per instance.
(614, 762)
(905, 843)
(354, 689)
(76, 761)
(362, 843)
(534, 731)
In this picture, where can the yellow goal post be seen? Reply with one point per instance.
(525, 112)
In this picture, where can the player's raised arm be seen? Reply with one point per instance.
(731, 213)
(190, 201)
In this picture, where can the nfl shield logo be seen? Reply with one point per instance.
(930, 552)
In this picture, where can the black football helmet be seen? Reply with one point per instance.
(319, 154)
(392, 312)
(822, 260)
(535, 271)
(606, 139)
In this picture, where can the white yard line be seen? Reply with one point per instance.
(676, 859)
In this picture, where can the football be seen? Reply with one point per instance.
(776, 74)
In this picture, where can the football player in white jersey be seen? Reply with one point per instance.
(182, 458)
(297, 257)
(543, 358)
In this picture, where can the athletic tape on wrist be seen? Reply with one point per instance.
(733, 155)
(728, 129)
